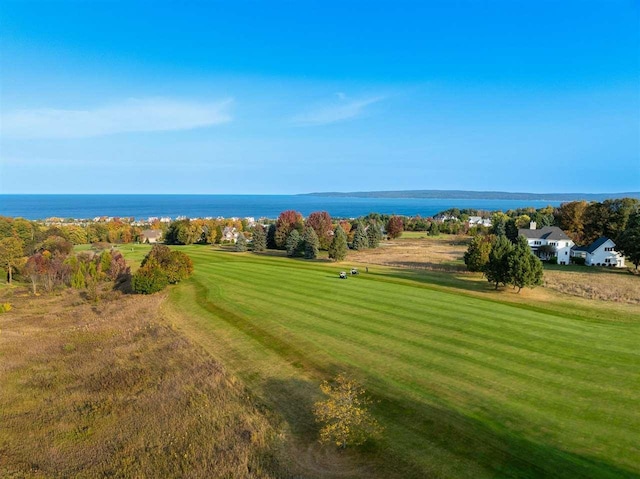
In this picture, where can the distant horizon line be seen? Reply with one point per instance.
(370, 194)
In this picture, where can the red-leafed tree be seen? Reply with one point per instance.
(320, 221)
(35, 269)
(395, 227)
(287, 222)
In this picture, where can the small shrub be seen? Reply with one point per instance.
(5, 307)
(149, 279)
(578, 261)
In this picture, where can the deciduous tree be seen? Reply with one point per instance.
(628, 242)
(395, 227)
(11, 252)
(477, 255)
(287, 222)
(321, 223)
(344, 415)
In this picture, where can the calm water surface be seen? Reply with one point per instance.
(144, 206)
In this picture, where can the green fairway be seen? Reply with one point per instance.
(465, 386)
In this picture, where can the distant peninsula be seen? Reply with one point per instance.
(477, 195)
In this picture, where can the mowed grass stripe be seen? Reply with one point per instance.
(446, 301)
(451, 320)
(456, 361)
(356, 335)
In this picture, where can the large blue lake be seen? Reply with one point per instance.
(144, 206)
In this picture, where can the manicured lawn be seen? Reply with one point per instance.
(466, 386)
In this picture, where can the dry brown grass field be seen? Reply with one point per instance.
(112, 390)
(441, 253)
(445, 253)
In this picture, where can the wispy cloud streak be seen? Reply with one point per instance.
(340, 111)
(133, 115)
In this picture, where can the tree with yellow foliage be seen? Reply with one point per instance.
(344, 415)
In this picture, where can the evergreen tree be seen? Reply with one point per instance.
(497, 268)
(293, 243)
(524, 268)
(511, 230)
(360, 239)
(271, 236)
(477, 255)
(78, 278)
(311, 243)
(434, 229)
(259, 240)
(241, 243)
(374, 235)
(338, 248)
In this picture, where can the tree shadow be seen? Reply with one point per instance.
(413, 426)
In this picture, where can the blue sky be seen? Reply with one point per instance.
(293, 97)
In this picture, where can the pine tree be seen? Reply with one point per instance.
(271, 236)
(338, 248)
(497, 268)
(311, 243)
(374, 235)
(511, 230)
(259, 240)
(78, 279)
(293, 243)
(360, 240)
(524, 268)
(241, 243)
(434, 229)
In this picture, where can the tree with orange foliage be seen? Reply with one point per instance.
(344, 415)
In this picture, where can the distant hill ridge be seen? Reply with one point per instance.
(478, 195)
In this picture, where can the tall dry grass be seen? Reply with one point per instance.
(111, 390)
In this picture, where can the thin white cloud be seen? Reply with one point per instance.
(133, 115)
(344, 109)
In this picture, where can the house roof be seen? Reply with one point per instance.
(596, 244)
(152, 233)
(546, 232)
(579, 248)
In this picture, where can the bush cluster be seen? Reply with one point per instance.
(159, 268)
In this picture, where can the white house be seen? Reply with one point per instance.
(229, 233)
(547, 242)
(601, 252)
(479, 221)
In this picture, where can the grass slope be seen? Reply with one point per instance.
(111, 390)
(467, 386)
